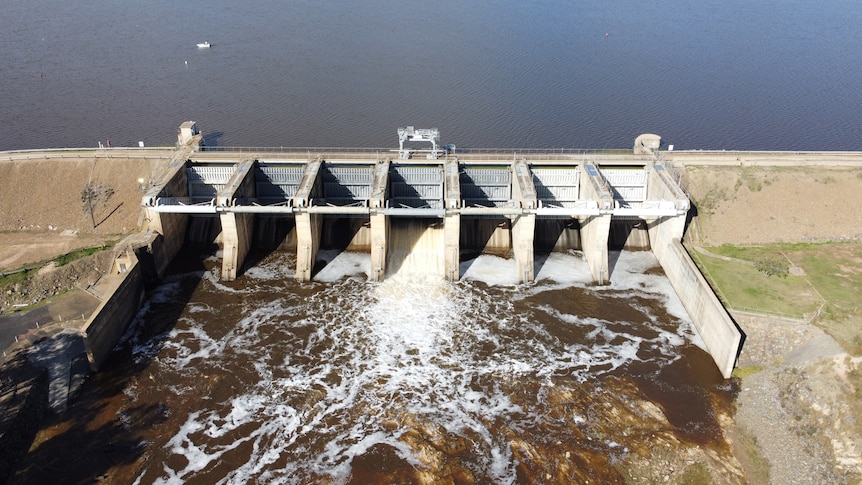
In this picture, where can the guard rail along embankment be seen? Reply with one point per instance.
(762, 159)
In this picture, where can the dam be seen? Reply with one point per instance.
(462, 202)
(508, 202)
(338, 365)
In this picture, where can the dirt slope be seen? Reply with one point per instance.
(752, 205)
(45, 195)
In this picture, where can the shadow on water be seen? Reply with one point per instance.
(554, 235)
(689, 392)
(270, 234)
(211, 139)
(103, 433)
(626, 235)
(90, 439)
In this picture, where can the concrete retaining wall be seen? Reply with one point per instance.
(108, 323)
(720, 334)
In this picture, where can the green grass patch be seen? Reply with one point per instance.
(695, 474)
(741, 286)
(78, 254)
(823, 276)
(749, 370)
(16, 277)
(710, 201)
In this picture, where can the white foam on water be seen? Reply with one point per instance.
(357, 355)
(196, 345)
(270, 271)
(341, 264)
(490, 269)
(212, 278)
(564, 268)
(630, 275)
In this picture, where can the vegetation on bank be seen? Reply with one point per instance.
(21, 274)
(20, 287)
(81, 253)
(815, 281)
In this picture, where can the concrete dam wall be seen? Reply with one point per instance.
(434, 212)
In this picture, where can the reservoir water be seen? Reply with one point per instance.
(766, 75)
(267, 380)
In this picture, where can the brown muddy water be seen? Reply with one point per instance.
(412, 380)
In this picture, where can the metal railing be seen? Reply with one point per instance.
(458, 151)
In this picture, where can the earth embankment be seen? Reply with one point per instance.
(766, 204)
(44, 193)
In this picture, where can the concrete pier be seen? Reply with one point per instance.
(452, 220)
(524, 224)
(595, 228)
(308, 225)
(379, 220)
(236, 227)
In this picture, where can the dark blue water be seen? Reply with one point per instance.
(715, 74)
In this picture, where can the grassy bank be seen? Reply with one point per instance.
(821, 282)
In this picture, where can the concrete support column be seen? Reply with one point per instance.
(236, 242)
(523, 234)
(524, 225)
(452, 220)
(452, 246)
(308, 227)
(596, 229)
(172, 228)
(594, 242)
(379, 245)
(379, 220)
(663, 231)
(236, 227)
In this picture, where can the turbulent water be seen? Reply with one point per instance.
(411, 380)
